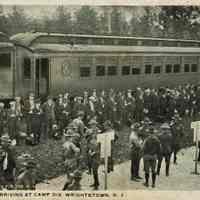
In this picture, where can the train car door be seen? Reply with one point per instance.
(42, 76)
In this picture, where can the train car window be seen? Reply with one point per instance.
(135, 71)
(148, 69)
(100, 70)
(5, 60)
(194, 68)
(168, 68)
(186, 68)
(27, 68)
(84, 71)
(44, 68)
(157, 69)
(177, 68)
(125, 70)
(112, 70)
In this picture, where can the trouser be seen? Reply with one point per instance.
(47, 128)
(110, 164)
(167, 162)
(95, 176)
(135, 166)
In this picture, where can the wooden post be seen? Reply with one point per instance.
(105, 164)
(196, 152)
(196, 126)
(33, 74)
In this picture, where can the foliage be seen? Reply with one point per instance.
(158, 21)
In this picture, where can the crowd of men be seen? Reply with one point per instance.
(80, 118)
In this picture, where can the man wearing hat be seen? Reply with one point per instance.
(144, 129)
(48, 109)
(36, 122)
(78, 106)
(12, 121)
(166, 140)
(92, 130)
(78, 122)
(151, 151)
(177, 130)
(70, 155)
(94, 154)
(135, 151)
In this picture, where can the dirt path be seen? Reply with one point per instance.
(180, 177)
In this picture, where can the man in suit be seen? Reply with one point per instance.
(48, 109)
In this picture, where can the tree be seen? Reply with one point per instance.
(17, 20)
(177, 21)
(86, 21)
(3, 21)
(63, 21)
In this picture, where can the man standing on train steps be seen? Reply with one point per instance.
(48, 109)
(151, 150)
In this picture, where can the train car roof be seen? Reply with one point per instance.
(29, 38)
(57, 48)
(5, 41)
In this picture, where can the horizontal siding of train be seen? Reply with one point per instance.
(65, 72)
(56, 48)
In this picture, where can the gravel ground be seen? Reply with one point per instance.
(180, 177)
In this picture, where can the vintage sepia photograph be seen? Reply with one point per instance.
(97, 98)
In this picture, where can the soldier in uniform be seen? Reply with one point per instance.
(94, 154)
(92, 130)
(135, 151)
(78, 122)
(165, 138)
(70, 155)
(151, 150)
(177, 134)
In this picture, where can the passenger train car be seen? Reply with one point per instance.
(52, 63)
(7, 56)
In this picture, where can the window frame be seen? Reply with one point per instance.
(81, 76)
(155, 69)
(145, 70)
(171, 68)
(174, 69)
(128, 67)
(7, 63)
(104, 70)
(133, 68)
(28, 77)
(108, 71)
(186, 65)
(192, 65)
